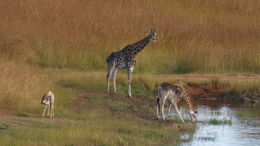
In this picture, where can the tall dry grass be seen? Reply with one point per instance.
(193, 36)
(21, 87)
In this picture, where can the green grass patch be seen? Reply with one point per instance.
(105, 119)
(244, 115)
(219, 122)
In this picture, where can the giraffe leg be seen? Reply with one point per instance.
(157, 108)
(109, 73)
(169, 109)
(162, 109)
(130, 71)
(157, 112)
(44, 110)
(177, 109)
(114, 78)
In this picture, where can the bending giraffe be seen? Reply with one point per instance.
(174, 94)
(125, 59)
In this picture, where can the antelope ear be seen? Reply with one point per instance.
(152, 30)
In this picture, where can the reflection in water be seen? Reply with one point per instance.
(237, 132)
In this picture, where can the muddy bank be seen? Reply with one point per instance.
(221, 92)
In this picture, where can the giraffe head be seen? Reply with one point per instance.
(193, 116)
(152, 35)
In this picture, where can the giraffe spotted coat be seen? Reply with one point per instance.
(125, 59)
(174, 94)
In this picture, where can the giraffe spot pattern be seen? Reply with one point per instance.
(176, 92)
(125, 58)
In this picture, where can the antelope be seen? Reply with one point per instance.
(48, 102)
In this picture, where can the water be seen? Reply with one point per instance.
(234, 131)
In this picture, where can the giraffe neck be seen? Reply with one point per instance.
(140, 45)
(189, 103)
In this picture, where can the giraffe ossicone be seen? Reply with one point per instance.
(125, 59)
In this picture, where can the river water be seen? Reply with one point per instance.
(219, 124)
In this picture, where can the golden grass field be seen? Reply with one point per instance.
(193, 36)
(62, 45)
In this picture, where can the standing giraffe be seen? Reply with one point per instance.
(125, 59)
(174, 94)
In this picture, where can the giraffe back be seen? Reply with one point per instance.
(175, 92)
